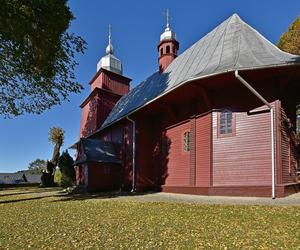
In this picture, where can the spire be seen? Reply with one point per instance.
(168, 33)
(168, 19)
(109, 61)
(109, 48)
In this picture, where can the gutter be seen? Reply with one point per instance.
(248, 86)
(133, 188)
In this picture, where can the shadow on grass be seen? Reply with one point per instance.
(27, 191)
(26, 199)
(99, 195)
(19, 193)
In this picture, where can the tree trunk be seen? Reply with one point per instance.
(55, 155)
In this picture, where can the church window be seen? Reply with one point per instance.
(161, 51)
(186, 141)
(168, 49)
(226, 122)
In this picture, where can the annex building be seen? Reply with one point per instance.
(216, 119)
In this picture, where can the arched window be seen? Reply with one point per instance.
(161, 51)
(186, 141)
(226, 122)
(174, 50)
(168, 49)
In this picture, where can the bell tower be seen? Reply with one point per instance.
(167, 47)
(107, 86)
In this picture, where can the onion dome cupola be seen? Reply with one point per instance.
(109, 61)
(168, 46)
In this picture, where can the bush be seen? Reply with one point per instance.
(65, 164)
(57, 177)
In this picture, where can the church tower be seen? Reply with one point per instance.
(107, 87)
(167, 47)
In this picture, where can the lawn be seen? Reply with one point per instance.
(43, 219)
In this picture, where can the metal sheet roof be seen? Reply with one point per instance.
(15, 178)
(233, 45)
(95, 150)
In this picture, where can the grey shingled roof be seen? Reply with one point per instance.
(14, 178)
(233, 45)
(95, 150)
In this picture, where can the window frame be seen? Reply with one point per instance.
(183, 142)
(233, 124)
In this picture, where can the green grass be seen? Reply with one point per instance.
(31, 219)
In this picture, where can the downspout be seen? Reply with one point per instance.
(248, 86)
(133, 188)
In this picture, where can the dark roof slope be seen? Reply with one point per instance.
(95, 150)
(13, 178)
(233, 45)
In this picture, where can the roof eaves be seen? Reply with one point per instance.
(195, 79)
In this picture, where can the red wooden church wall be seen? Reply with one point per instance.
(244, 158)
(110, 81)
(88, 122)
(145, 144)
(203, 150)
(178, 167)
(288, 150)
(103, 176)
(121, 135)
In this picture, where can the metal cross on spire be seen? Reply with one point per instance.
(109, 48)
(109, 34)
(168, 18)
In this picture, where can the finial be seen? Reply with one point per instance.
(168, 33)
(109, 34)
(109, 48)
(168, 17)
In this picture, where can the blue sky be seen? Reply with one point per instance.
(136, 27)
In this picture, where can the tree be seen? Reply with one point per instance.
(290, 40)
(56, 137)
(65, 164)
(37, 166)
(36, 55)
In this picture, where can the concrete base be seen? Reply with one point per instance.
(250, 191)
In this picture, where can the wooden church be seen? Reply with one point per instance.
(217, 119)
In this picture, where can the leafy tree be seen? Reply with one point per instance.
(290, 40)
(36, 55)
(65, 164)
(37, 166)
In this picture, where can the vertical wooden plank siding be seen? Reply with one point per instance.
(144, 154)
(115, 85)
(288, 151)
(203, 150)
(178, 167)
(278, 139)
(193, 148)
(84, 117)
(103, 176)
(126, 174)
(105, 103)
(110, 82)
(89, 117)
(244, 158)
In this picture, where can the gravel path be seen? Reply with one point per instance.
(31, 194)
(292, 200)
